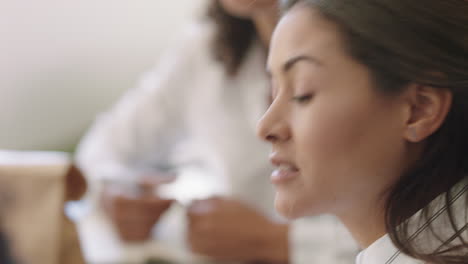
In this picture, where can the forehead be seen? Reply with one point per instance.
(303, 30)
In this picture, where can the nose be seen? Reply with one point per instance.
(273, 126)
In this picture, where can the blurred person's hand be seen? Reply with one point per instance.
(226, 229)
(75, 184)
(135, 214)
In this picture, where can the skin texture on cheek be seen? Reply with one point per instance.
(342, 147)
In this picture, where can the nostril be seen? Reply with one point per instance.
(270, 138)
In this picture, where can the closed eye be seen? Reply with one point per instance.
(302, 98)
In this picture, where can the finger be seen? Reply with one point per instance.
(155, 180)
(139, 207)
(198, 243)
(126, 201)
(192, 216)
(201, 207)
(156, 199)
(211, 248)
(75, 183)
(130, 212)
(165, 203)
(130, 232)
(158, 208)
(202, 227)
(134, 221)
(212, 199)
(156, 204)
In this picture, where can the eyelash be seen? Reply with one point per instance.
(302, 99)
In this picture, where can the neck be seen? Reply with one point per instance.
(364, 214)
(365, 223)
(265, 22)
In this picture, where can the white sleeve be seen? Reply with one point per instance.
(321, 239)
(136, 133)
(140, 131)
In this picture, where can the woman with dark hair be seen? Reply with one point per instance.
(200, 106)
(369, 122)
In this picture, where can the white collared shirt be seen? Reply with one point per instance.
(383, 251)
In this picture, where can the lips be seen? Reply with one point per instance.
(286, 169)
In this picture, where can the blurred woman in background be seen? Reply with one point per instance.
(369, 122)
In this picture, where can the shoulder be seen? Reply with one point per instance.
(199, 32)
(189, 55)
(193, 43)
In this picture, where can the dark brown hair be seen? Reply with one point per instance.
(232, 39)
(5, 254)
(426, 42)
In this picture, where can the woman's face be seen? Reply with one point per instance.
(336, 141)
(246, 8)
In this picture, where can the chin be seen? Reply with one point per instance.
(294, 207)
(288, 207)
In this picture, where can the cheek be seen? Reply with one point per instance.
(326, 130)
(338, 147)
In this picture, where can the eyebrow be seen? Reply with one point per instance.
(294, 60)
(288, 65)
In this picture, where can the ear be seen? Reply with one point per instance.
(428, 108)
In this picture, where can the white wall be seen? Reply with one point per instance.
(61, 62)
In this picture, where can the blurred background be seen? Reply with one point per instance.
(62, 62)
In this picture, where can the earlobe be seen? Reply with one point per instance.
(413, 134)
(429, 108)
